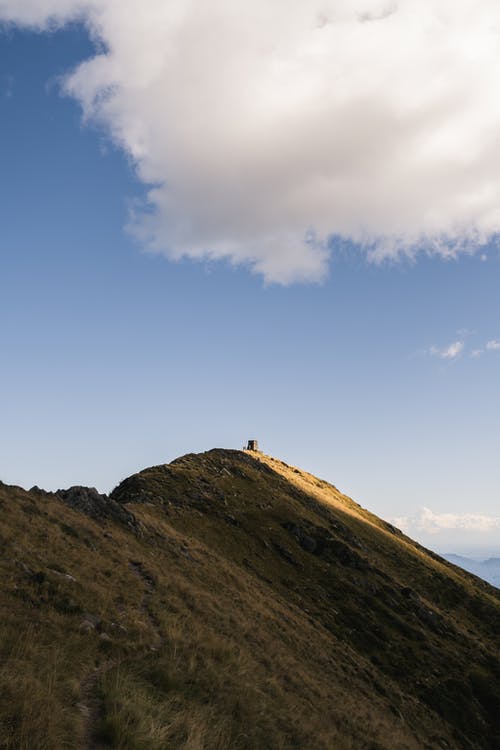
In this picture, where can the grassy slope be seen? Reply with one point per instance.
(253, 606)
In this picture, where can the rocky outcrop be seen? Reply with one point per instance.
(92, 503)
(89, 501)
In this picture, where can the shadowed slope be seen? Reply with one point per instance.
(240, 603)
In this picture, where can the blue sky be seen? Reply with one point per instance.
(115, 358)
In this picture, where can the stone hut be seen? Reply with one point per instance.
(253, 445)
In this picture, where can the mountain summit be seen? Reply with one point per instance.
(229, 601)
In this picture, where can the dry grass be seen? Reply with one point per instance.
(222, 632)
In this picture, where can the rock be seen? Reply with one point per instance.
(105, 638)
(86, 627)
(305, 540)
(185, 552)
(118, 626)
(89, 501)
(93, 619)
(66, 576)
(408, 593)
(84, 709)
(308, 543)
(24, 567)
(285, 554)
(345, 555)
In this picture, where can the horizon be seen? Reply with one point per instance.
(282, 245)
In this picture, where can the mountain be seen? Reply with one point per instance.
(228, 601)
(488, 569)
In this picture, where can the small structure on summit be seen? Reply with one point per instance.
(253, 445)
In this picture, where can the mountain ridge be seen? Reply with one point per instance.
(242, 603)
(488, 569)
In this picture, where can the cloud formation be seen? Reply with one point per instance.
(452, 351)
(493, 345)
(425, 520)
(263, 130)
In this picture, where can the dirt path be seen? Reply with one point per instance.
(89, 705)
(149, 588)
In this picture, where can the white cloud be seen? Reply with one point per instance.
(265, 128)
(449, 352)
(44, 14)
(453, 350)
(493, 345)
(426, 521)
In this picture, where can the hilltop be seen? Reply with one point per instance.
(228, 601)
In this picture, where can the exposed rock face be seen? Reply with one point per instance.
(89, 501)
(92, 503)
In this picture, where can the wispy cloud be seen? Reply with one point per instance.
(450, 352)
(454, 351)
(425, 520)
(493, 345)
(368, 120)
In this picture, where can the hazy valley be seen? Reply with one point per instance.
(488, 569)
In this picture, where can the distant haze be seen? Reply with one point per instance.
(473, 534)
(487, 568)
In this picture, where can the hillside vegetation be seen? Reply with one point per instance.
(227, 601)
